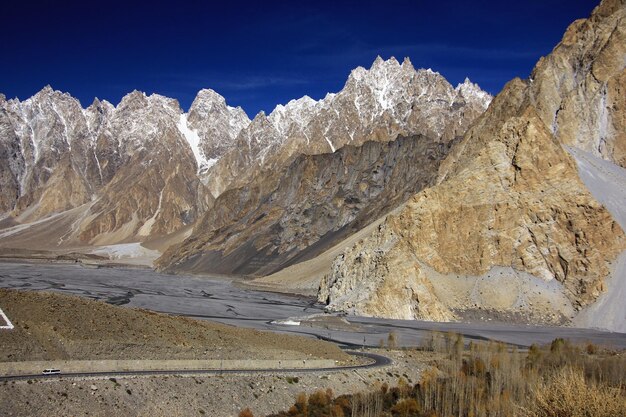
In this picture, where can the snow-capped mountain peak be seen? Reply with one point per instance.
(388, 87)
(380, 103)
(472, 91)
(298, 111)
(98, 115)
(216, 123)
(208, 101)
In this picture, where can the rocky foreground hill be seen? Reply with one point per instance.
(509, 227)
(51, 326)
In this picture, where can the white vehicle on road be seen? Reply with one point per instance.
(51, 371)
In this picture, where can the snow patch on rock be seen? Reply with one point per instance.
(126, 250)
(472, 92)
(192, 138)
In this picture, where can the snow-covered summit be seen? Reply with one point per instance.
(98, 115)
(297, 112)
(208, 101)
(372, 98)
(383, 102)
(472, 92)
(48, 123)
(216, 123)
(140, 101)
(140, 119)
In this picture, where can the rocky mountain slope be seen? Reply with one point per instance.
(331, 167)
(293, 214)
(577, 90)
(510, 229)
(380, 104)
(133, 168)
(143, 169)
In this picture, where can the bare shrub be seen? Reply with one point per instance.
(246, 413)
(392, 340)
(568, 394)
(369, 404)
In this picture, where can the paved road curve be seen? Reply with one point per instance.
(377, 361)
(219, 300)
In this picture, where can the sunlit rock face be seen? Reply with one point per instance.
(508, 199)
(578, 90)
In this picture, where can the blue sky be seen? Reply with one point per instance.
(262, 53)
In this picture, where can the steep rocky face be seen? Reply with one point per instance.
(216, 125)
(154, 190)
(11, 160)
(105, 146)
(133, 165)
(316, 201)
(509, 215)
(518, 204)
(578, 89)
(52, 135)
(380, 104)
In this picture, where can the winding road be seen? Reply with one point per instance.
(378, 360)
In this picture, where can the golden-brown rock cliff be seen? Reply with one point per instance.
(510, 230)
